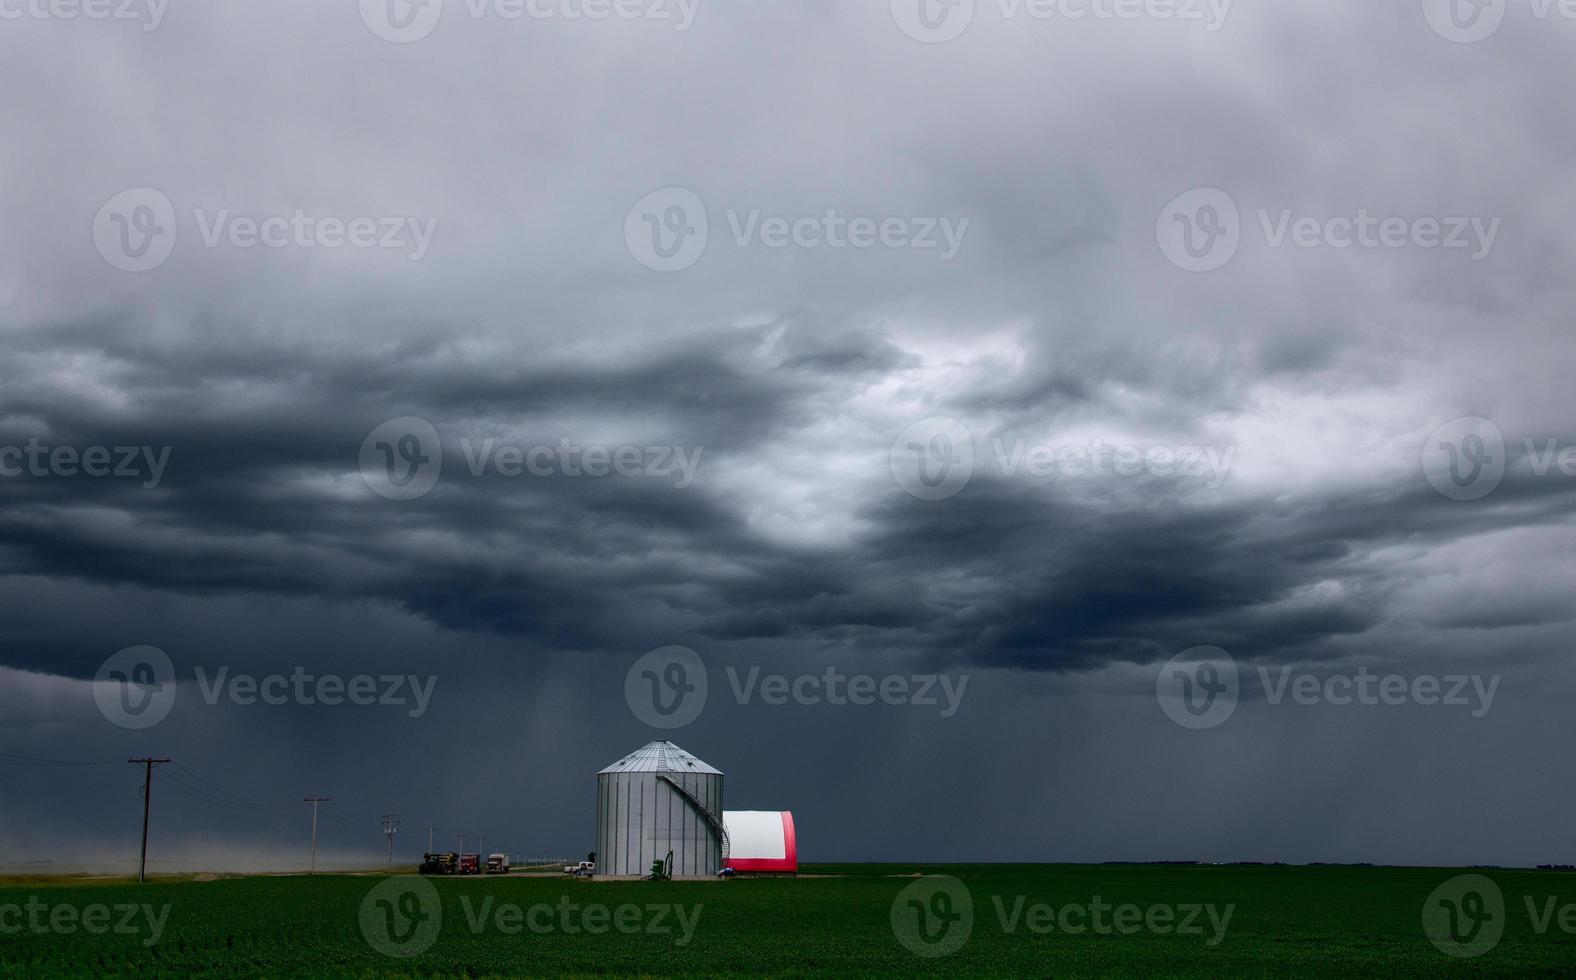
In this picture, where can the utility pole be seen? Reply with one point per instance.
(481, 844)
(390, 828)
(147, 792)
(462, 841)
(315, 800)
(429, 838)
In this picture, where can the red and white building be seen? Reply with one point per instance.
(761, 841)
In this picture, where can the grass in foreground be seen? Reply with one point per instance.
(1282, 922)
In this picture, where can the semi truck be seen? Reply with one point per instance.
(443, 863)
(497, 864)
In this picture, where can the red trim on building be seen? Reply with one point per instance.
(788, 863)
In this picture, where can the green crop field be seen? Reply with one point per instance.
(859, 920)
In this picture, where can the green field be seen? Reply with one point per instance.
(835, 921)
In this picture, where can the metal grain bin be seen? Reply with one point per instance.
(657, 799)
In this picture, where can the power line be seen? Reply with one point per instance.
(11, 759)
(222, 793)
(202, 797)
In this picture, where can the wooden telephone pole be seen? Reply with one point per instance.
(147, 792)
(315, 800)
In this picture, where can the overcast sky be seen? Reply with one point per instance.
(1002, 356)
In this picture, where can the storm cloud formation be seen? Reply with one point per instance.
(1162, 458)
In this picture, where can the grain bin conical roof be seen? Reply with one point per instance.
(660, 756)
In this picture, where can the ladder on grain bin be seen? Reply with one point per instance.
(712, 817)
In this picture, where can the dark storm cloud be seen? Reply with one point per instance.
(1060, 321)
(263, 498)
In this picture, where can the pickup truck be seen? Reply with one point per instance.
(584, 869)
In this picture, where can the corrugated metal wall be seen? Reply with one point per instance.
(640, 818)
